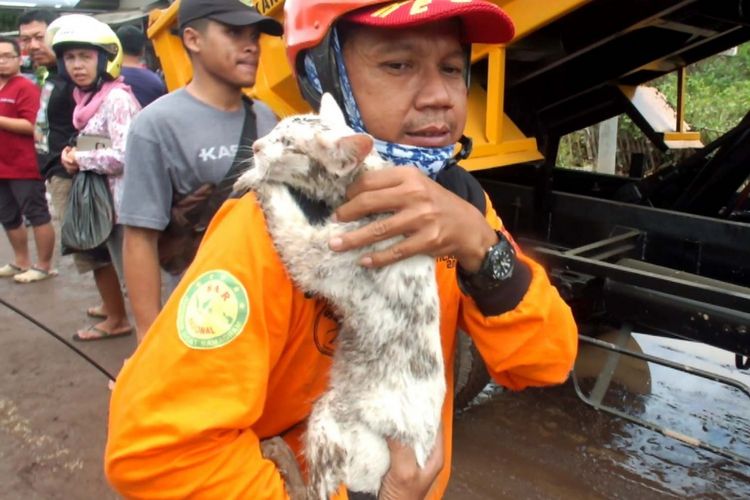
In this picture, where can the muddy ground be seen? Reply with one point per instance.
(538, 444)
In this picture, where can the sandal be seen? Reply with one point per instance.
(33, 274)
(95, 333)
(10, 269)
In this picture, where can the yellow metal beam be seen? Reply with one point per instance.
(168, 47)
(495, 93)
(530, 15)
(681, 94)
(268, 7)
(682, 136)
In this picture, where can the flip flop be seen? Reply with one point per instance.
(34, 274)
(101, 334)
(95, 312)
(11, 269)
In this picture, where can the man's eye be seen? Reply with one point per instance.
(453, 70)
(396, 66)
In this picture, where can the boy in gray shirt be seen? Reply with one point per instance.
(189, 138)
(176, 145)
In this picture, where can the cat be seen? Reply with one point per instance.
(387, 377)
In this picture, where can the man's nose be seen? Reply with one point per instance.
(253, 47)
(435, 92)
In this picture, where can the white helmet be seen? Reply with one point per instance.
(78, 30)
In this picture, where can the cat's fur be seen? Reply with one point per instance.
(387, 377)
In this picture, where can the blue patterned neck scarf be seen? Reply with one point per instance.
(429, 160)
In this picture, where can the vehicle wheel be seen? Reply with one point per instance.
(469, 372)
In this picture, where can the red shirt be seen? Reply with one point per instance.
(19, 98)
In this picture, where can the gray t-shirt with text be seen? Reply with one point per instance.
(176, 144)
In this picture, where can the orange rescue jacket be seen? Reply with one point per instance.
(238, 355)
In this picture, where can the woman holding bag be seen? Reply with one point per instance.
(89, 53)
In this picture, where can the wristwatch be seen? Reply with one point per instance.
(496, 268)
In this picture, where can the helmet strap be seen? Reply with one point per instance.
(101, 65)
(467, 66)
(323, 60)
(61, 68)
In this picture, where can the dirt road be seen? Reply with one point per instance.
(53, 405)
(542, 444)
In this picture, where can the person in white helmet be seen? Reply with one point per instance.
(54, 129)
(90, 55)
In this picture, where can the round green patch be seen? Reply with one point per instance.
(213, 311)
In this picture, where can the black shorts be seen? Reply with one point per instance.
(23, 198)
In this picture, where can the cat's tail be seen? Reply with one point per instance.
(325, 453)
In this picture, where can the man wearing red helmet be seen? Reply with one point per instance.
(239, 354)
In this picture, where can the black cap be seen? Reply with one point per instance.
(231, 12)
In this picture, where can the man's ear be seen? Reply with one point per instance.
(351, 152)
(330, 113)
(191, 39)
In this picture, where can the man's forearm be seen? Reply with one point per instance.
(142, 276)
(19, 126)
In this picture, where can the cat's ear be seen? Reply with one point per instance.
(330, 113)
(353, 149)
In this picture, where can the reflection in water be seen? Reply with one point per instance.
(715, 413)
(546, 443)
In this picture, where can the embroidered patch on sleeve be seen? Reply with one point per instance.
(213, 311)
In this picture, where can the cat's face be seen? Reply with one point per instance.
(316, 154)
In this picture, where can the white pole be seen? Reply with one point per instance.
(607, 151)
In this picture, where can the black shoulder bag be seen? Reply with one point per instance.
(191, 213)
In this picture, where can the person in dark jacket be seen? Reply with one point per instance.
(146, 85)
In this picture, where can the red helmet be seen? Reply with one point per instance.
(306, 22)
(307, 25)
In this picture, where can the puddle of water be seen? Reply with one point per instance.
(715, 413)
(548, 444)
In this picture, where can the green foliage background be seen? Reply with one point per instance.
(718, 92)
(718, 96)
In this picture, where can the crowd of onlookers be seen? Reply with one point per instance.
(83, 81)
(86, 102)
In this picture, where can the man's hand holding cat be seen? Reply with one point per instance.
(404, 479)
(434, 221)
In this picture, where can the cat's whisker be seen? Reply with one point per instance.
(248, 154)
